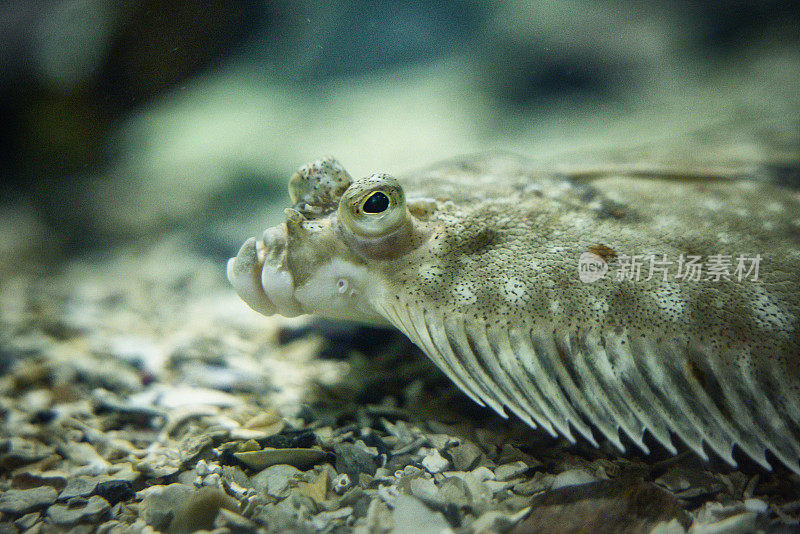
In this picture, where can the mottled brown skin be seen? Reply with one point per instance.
(486, 281)
(494, 230)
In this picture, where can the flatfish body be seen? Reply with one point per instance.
(626, 300)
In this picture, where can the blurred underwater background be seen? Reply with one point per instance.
(126, 119)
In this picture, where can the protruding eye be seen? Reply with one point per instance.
(377, 202)
(373, 207)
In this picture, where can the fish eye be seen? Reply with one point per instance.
(373, 207)
(377, 202)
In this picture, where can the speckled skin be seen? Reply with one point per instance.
(484, 278)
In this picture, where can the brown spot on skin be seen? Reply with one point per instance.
(607, 253)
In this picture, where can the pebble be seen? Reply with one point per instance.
(411, 470)
(426, 490)
(465, 456)
(158, 466)
(233, 522)
(603, 506)
(202, 468)
(483, 473)
(19, 502)
(496, 486)
(27, 521)
(755, 505)
(193, 446)
(497, 521)
(671, 527)
(435, 462)
(160, 502)
(234, 475)
(18, 451)
(182, 508)
(173, 397)
(303, 439)
(200, 510)
(538, 483)
(573, 477)
(453, 490)
(78, 510)
(210, 480)
(26, 480)
(509, 471)
(690, 482)
(736, 524)
(411, 447)
(411, 515)
(81, 486)
(478, 495)
(301, 458)
(115, 491)
(354, 460)
(317, 490)
(323, 520)
(274, 480)
(441, 441)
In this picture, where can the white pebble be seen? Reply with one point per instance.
(573, 477)
(434, 462)
(201, 468)
(755, 505)
(483, 474)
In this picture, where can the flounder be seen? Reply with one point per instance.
(628, 301)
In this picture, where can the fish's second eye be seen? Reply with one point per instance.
(377, 202)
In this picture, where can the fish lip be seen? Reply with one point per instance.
(244, 274)
(259, 276)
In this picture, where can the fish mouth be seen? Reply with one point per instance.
(259, 275)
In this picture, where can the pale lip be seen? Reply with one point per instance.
(259, 276)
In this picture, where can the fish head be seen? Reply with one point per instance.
(330, 257)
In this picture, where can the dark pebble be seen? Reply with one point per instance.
(42, 417)
(292, 439)
(353, 460)
(135, 415)
(115, 491)
(361, 506)
(452, 515)
(400, 461)
(371, 439)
